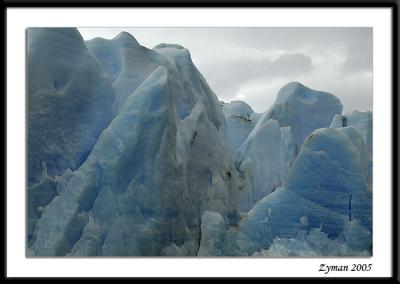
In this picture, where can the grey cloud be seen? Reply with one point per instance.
(358, 51)
(359, 58)
(337, 60)
(228, 77)
(290, 64)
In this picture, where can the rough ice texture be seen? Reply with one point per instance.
(362, 121)
(69, 100)
(267, 152)
(130, 153)
(213, 235)
(154, 169)
(326, 185)
(304, 110)
(337, 121)
(239, 122)
(125, 61)
(353, 241)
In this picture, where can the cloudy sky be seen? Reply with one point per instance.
(252, 64)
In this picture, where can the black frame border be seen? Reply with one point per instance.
(393, 5)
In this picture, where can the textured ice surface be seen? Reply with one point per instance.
(337, 161)
(336, 193)
(69, 100)
(126, 62)
(213, 235)
(265, 156)
(304, 110)
(157, 166)
(239, 122)
(362, 121)
(337, 121)
(353, 241)
(130, 153)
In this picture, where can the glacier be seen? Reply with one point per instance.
(131, 153)
(69, 98)
(304, 110)
(269, 151)
(337, 192)
(240, 121)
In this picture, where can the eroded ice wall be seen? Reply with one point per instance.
(131, 153)
(69, 99)
(161, 162)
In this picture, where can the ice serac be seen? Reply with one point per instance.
(304, 110)
(69, 98)
(130, 153)
(362, 121)
(193, 84)
(353, 241)
(214, 233)
(218, 238)
(325, 188)
(153, 171)
(239, 122)
(337, 161)
(266, 156)
(69, 104)
(126, 61)
(337, 121)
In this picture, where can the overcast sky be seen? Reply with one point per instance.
(252, 64)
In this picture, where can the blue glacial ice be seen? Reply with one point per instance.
(337, 192)
(69, 98)
(353, 241)
(304, 110)
(130, 153)
(126, 62)
(362, 121)
(151, 173)
(239, 122)
(268, 151)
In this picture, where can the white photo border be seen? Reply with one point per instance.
(18, 19)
